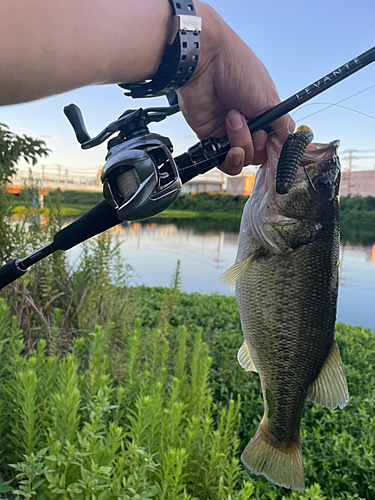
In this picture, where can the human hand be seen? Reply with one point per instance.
(229, 87)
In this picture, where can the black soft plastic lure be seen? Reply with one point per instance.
(290, 158)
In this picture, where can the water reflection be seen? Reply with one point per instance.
(357, 286)
(153, 250)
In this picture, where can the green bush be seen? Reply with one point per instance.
(338, 445)
(76, 198)
(152, 409)
(116, 418)
(211, 202)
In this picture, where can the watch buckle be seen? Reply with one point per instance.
(185, 23)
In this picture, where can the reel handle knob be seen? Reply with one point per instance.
(74, 115)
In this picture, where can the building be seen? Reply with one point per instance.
(240, 184)
(362, 183)
(202, 186)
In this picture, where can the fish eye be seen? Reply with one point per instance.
(323, 185)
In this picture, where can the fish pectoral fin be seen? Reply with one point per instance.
(330, 388)
(244, 358)
(231, 275)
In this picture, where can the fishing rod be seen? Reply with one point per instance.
(209, 153)
(141, 178)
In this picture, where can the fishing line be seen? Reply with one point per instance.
(330, 105)
(338, 102)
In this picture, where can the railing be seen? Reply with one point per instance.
(22, 177)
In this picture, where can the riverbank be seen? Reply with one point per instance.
(215, 211)
(64, 209)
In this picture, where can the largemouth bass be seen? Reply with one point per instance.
(286, 282)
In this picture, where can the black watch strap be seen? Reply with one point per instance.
(180, 58)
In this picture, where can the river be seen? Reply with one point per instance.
(153, 250)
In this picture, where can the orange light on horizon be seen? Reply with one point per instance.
(14, 190)
(134, 226)
(248, 184)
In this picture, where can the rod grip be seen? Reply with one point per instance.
(10, 272)
(95, 221)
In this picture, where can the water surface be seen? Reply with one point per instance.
(153, 250)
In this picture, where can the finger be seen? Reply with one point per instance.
(234, 161)
(239, 134)
(259, 142)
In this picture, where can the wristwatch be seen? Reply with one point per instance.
(180, 58)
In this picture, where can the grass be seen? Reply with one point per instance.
(65, 210)
(70, 209)
(178, 214)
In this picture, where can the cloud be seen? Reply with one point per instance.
(50, 138)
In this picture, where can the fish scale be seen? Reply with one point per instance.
(278, 326)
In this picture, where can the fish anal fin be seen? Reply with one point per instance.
(244, 358)
(330, 388)
(282, 465)
(231, 275)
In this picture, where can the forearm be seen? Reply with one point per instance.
(49, 47)
(53, 46)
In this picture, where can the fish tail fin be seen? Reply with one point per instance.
(282, 465)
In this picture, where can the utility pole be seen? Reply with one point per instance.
(59, 171)
(351, 151)
(43, 173)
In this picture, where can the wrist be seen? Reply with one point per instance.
(211, 36)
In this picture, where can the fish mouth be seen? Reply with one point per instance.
(318, 176)
(320, 166)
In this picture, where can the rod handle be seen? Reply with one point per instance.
(10, 272)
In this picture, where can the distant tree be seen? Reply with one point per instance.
(13, 148)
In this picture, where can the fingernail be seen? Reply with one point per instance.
(235, 120)
(237, 159)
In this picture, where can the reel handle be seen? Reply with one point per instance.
(75, 117)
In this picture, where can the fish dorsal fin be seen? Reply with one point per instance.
(330, 389)
(244, 358)
(231, 275)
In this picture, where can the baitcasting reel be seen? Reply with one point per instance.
(140, 177)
